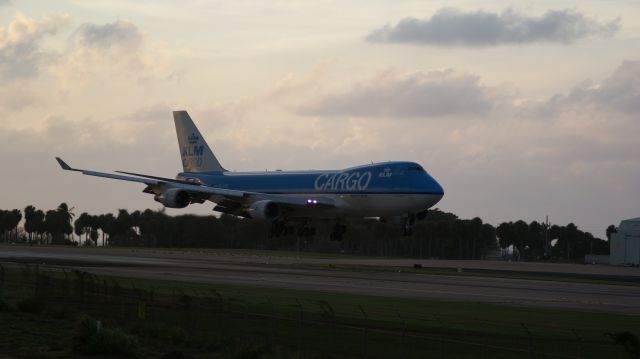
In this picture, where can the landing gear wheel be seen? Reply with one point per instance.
(277, 229)
(408, 231)
(409, 222)
(307, 231)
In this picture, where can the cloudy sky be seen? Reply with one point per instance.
(519, 110)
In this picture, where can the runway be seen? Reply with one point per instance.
(365, 276)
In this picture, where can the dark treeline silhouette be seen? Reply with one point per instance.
(440, 235)
(51, 227)
(9, 221)
(535, 241)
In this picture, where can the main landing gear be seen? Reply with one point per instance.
(278, 228)
(338, 230)
(303, 229)
(306, 231)
(282, 228)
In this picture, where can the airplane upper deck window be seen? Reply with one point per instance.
(415, 168)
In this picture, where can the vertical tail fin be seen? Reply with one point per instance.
(196, 154)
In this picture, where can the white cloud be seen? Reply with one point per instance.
(113, 49)
(392, 94)
(119, 35)
(617, 95)
(619, 92)
(441, 93)
(52, 72)
(21, 54)
(452, 27)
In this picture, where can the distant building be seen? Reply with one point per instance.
(625, 244)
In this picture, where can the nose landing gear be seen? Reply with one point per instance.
(338, 230)
(277, 229)
(409, 222)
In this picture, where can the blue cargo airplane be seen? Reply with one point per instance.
(399, 190)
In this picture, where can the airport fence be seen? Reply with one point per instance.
(197, 318)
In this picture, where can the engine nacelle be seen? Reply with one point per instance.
(265, 210)
(173, 198)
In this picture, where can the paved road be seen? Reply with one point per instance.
(314, 274)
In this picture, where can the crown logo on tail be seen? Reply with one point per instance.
(193, 139)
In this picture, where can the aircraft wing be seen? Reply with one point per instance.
(66, 167)
(158, 184)
(234, 194)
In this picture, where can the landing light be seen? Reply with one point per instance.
(312, 201)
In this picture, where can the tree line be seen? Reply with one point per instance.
(441, 235)
(536, 241)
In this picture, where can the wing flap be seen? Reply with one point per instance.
(164, 179)
(121, 177)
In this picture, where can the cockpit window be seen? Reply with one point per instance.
(415, 168)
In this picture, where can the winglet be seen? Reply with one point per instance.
(64, 165)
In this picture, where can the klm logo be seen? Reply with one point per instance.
(386, 173)
(346, 181)
(192, 153)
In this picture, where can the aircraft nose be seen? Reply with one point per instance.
(434, 187)
(438, 188)
(437, 192)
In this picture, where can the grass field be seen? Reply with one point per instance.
(42, 308)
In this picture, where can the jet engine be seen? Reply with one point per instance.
(173, 198)
(265, 210)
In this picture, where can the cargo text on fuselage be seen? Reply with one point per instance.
(345, 181)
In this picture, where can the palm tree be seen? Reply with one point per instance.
(38, 223)
(571, 236)
(93, 235)
(3, 222)
(611, 230)
(107, 223)
(80, 226)
(29, 224)
(83, 225)
(66, 216)
(53, 225)
(94, 224)
(135, 221)
(122, 226)
(12, 219)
